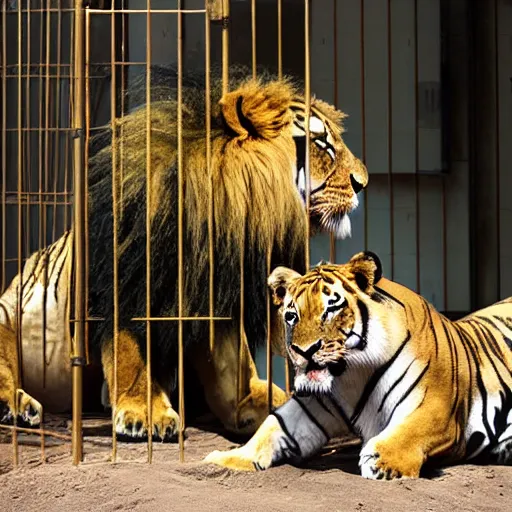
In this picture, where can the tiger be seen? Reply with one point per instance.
(376, 359)
(258, 175)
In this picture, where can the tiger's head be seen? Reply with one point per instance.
(326, 316)
(336, 175)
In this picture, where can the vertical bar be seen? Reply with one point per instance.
(363, 119)
(497, 146)
(253, 36)
(78, 352)
(4, 142)
(280, 39)
(148, 230)
(181, 379)
(307, 95)
(115, 212)
(269, 339)
(332, 238)
(56, 159)
(211, 234)
(28, 134)
(225, 46)
(390, 146)
(20, 239)
(47, 135)
(40, 242)
(417, 149)
(287, 369)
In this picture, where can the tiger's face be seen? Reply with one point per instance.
(325, 317)
(336, 175)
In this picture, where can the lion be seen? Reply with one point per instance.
(258, 177)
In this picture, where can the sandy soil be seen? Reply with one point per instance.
(328, 482)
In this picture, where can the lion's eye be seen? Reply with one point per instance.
(291, 318)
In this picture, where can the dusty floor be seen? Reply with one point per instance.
(329, 482)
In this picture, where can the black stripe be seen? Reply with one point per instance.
(324, 407)
(408, 392)
(426, 305)
(395, 384)
(311, 417)
(387, 295)
(374, 380)
(508, 324)
(295, 448)
(363, 310)
(342, 413)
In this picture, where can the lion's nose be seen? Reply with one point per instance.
(309, 352)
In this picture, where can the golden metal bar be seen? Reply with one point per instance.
(115, 211)
(253, 35)
(177, 318)
(181, 378)
(80, 310)
(280, 39)
(332, 238)
(417, 148)
(148, 230)
(122, 108)
(307, 94)
(153, 11)
(87, 130)
(363, 117)
(56, 165)
(19, 309)
(225, 46)
(269, 338)
(242, 329)
(27, 136)
(211, 234)
(390, 146)
(37, 431)
(40, 242)
(3, 184)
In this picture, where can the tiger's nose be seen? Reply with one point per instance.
(355, 184)
(309, 352)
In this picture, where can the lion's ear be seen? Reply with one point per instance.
(367, 269)
(279, 281)
(258, 111)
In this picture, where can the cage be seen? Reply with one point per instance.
(397, 68)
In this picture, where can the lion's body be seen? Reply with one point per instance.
(257, 137)
(373, 356)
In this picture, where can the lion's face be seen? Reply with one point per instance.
(337, 176)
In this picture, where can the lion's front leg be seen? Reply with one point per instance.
(13, 399)
(239, 400)
(131, 410)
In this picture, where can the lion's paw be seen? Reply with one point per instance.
(30, 411)
(131, 418)
(232, 459)
(379, 462)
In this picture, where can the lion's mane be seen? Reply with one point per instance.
(256, 207)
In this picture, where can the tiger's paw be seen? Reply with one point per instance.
(380, 461)
(131, 418)
(237, 459)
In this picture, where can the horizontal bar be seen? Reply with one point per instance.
(174, 318)
(38, 431)
(145, 11)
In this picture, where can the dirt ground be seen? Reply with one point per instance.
(328, 482)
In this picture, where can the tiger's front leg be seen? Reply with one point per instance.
(400, 451)
(295, 431)
(131, 411)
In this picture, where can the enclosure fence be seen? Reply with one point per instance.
(56, 82)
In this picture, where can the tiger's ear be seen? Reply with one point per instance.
(279, 281)
(258, 111)
(367, 269)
